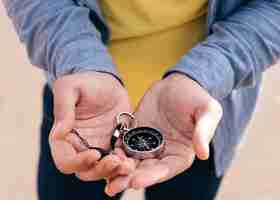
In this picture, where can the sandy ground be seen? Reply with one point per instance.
(254, 175)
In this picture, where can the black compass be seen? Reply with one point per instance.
(143, 142)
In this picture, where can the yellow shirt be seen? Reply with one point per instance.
(149, 36)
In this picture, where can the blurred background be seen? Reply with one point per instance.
(254, 175)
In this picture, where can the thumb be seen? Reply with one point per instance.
(207, 120)
(65, 99)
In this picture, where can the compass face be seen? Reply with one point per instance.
(143, 139)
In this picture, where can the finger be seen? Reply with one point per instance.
(117, 185)
(120, 183)
(125, 168)
(149, 175)
(119, 152)
(207, 120)
(86, 159)
(118, 143)
(127, 165)
(150, 172)
(76, 142)
(177, 159)
(104, 168)
(65, 99)
(119, 180)
(68, 161)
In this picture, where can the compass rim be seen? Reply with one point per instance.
(133, 151)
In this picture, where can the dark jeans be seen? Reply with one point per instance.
(197, 183)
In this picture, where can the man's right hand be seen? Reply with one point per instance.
(88, 102)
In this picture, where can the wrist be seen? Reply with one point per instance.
(108, 74)
(178, 77)
(79, 77)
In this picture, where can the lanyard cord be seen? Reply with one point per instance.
(103, 152)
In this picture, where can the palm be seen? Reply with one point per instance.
(95, 114)
(187, 116)
(164, 113)
(88, 103)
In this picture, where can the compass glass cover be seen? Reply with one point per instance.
(143, 139)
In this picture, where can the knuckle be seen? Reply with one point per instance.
(52, 136)
(63, 169)
(220, 111)
(81, 177)
(215, 107)
(84, 177)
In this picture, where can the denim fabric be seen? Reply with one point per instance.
(68, 36)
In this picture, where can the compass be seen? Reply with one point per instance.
(143, 142)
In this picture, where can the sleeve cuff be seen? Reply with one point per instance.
(210, 69)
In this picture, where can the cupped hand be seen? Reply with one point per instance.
(187, 116)
(88, 102)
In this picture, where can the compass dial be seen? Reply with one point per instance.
(143, 139)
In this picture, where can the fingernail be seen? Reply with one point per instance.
(107, 191)
(53, 128)
(56, 126)
(106, 188)
(56, 131)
